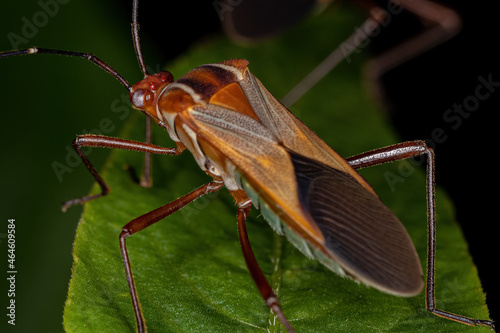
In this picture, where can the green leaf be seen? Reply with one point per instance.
(189, 271)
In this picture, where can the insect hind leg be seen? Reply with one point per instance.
(244, 206)
(402, 151)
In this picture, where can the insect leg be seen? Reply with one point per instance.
(402, 151)
(387, 154)
(441, 24)
(342, 52)
(146, 180)
(90, 140)
(145, 221)
(244, 205)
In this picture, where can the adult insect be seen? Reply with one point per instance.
(201, 70)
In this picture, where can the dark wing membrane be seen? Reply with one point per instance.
(362, 234)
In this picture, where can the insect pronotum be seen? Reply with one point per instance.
(248, 142)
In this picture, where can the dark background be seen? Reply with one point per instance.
(422, 90)
(47, 100)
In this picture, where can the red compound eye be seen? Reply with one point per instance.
(166, 76)
(152, 86)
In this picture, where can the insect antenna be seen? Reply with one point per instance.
(90, 57)
(135, 36)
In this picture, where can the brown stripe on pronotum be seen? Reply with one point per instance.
(247, 141)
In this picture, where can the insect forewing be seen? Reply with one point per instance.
(304, 188)
(361, 233)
